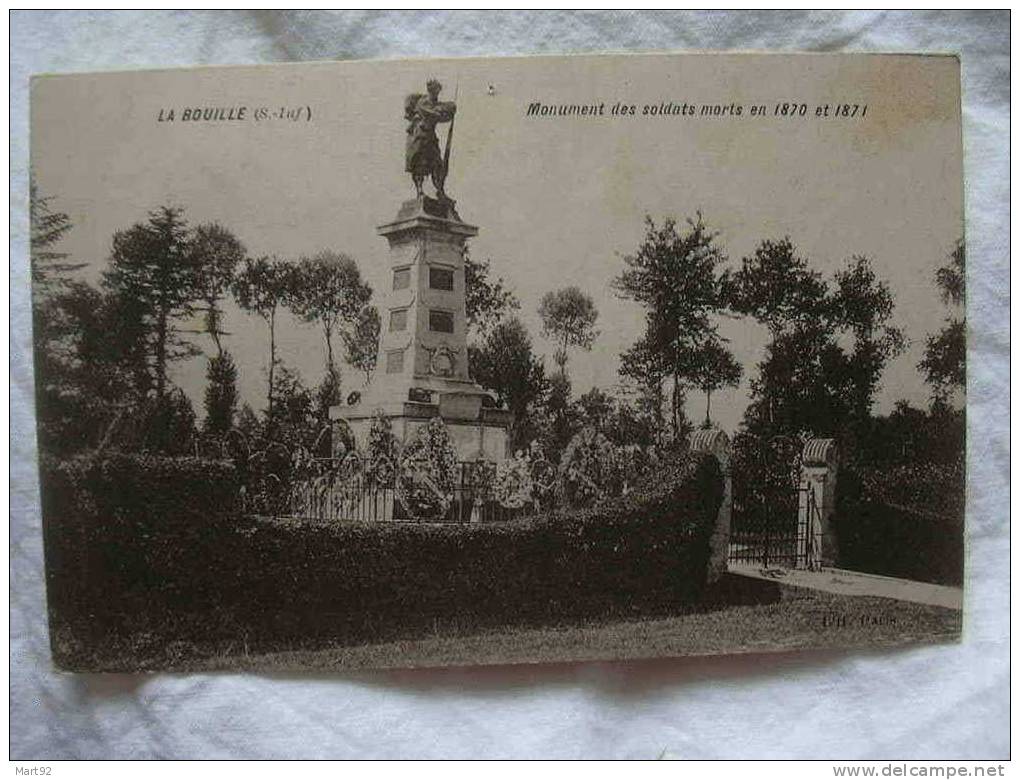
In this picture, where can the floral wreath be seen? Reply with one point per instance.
(427, 472)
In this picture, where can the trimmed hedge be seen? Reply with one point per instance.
(175, 564)
(903, 522)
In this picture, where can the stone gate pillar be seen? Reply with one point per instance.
(819, 471)
(717, 444)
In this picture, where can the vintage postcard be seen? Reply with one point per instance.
(488, 361)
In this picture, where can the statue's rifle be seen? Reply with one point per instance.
(449, 135)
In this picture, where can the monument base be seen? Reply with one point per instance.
(477, 432)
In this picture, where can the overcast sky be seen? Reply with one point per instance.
(557, 201)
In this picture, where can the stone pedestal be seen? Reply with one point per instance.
(422, 366)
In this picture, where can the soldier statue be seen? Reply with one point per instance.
(423, 113)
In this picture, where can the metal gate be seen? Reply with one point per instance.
(774, 510)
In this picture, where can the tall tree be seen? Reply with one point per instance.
(91, 361)
(294, 420)
(945, 355)
(560, 419)
(674, 275)
(487, 299)
(220, 394)
(48, 266)
(645, 373)
(506, 364)
(329, 290)
(715, 368)
(862, 306)
(152, 264)
(93, 368)
(47, 227)
(215, 253)
(328, 394)
(362, 348)
(262, 287)
(776, 287)
(568, 316)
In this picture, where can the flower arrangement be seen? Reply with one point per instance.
(543, 476)
(382, 452)
(587, 468)
(428, 472)
(479, 476)
(343, 439)
(513, 486)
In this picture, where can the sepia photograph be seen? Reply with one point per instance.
(392, 364)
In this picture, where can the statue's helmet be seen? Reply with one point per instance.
(432, 85)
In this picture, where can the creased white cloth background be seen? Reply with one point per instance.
(947, 701)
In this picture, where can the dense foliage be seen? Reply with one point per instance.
(47, 227)
(362, 345)
(505, 363)
(220, 394)
(829, 342)
(903, 522)
(487, 299)
(901, 496)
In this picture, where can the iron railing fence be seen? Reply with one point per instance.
(344, 494)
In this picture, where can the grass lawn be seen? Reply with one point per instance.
(784, 618)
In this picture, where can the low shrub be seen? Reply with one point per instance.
(284, 583)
